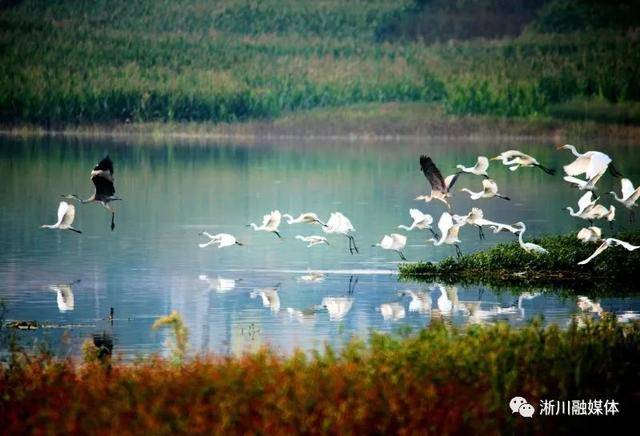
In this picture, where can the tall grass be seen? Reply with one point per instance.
(440, 380)
(190, 60)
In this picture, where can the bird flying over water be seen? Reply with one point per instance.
(490, 189)
(313, 240)
(221, 240)
(66, 215)
(590, 163)
(104, 194)
(340, 224)
(479, 169)
(589, 234)
(448, 232)
(609, 242)
(270, 223)
(515, 159)
(440, 186)
(420, 221)
(395, 242)
(304, 218)
(629, 196)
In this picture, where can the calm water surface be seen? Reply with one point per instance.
(151, 263)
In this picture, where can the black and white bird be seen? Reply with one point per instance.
(102, 178)
(479, 169)
(440, 186)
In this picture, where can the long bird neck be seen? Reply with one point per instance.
(520, 236)
(49, 226)
(254, 226)
(615, 195)
(402, 226)
(573, 150)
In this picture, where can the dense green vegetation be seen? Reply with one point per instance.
(69, 62)
(442, 380)
(507, 264)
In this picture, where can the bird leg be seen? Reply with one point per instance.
(278, 234)
(353, 240)
(480, 233)
(401, 255)
(435, 235)
(350, 248)
(113, 220)
(458, 252)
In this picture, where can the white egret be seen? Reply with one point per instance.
(102, 178)
(421, 302)
(609, 242)
(440, 186)
(313, 240)
(421, 221)
(590, 163)
(590, 234)
(490, 189)
(449, 232)
(66, 215)
(340, 224)
(395, 242)
(392, 311)
(585, 304)
(515, 159)
(476, 218)
(584, 185)
(219, 284)
(269, 296)
(585, 204)
(220, 239)
(499, 227)
(303, 218)
(270, 223)
(629, 196)
(599, 212)
(529, 247)
(479, 169)
(337, 307)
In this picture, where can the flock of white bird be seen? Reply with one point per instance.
(593, 164)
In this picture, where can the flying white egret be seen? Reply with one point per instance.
(584, 185)
(340, 224)
(66, 215)
(338, 307)
(421, 221)
(395, 242)
(440, 186)
(311, 277)
(421, 302)
(269, 296)
(599, 212)
(529, 247)
(490, 189)
(476, 218)
(304, 316)
(590, 234)
(500, 227)
(64, 296)
(303, 218)
(449, 232)
(270, 223)
(629, 196)
(221, 240)
(102, 178)
(479, 169)
(590, 163)
(585, 204)
(609, 242)
(313, 240)
(392, 311)
(515, 159)
(219, 284)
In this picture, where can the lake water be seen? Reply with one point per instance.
(151, 264)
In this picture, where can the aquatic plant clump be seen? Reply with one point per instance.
(507, 264)
(441, 379)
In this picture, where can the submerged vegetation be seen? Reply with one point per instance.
(509, 265)
(180, 61)
(440, 380)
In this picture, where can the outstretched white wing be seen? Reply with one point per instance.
(62, 209)
(445, 223)
(625, 244)
(575, 181)
(585, 201)
(399, 241)
(272, 220)
(598, 164)
(69, 216)
(600, 249)
(482, 165)
(578, 166)
(490, 187)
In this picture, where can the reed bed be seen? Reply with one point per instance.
(440, 380)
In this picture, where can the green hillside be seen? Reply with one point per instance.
(70, 62)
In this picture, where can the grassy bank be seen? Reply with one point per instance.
(366, 121)
(508, 265)
(69, 63)
(440, 380)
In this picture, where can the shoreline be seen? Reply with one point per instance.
(363, 123)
